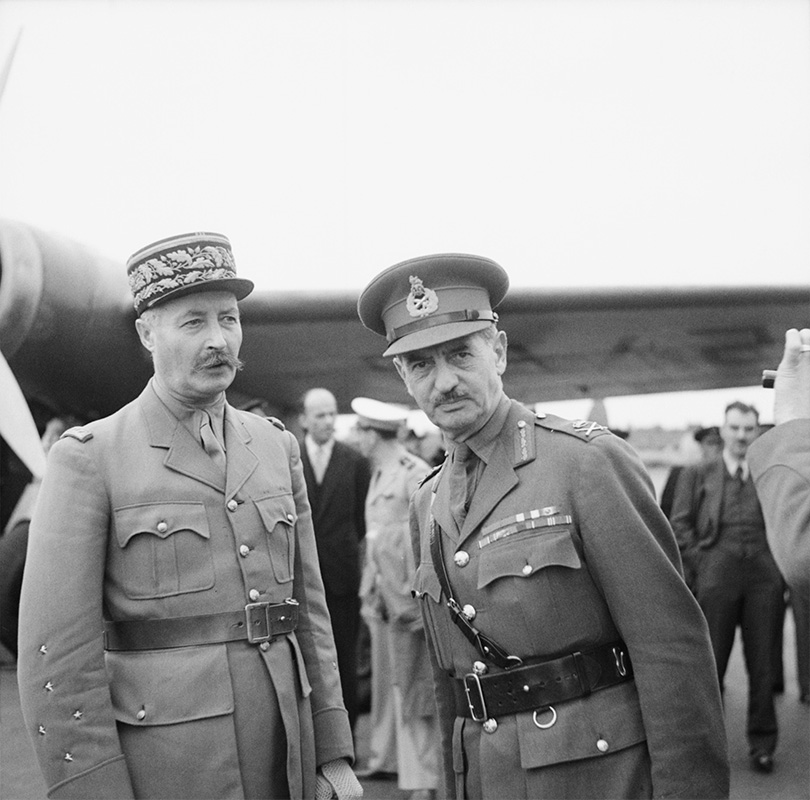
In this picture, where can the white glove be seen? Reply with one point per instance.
(792, 387)
(335, 779)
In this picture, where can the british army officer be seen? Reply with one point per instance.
(570, 658)
(174, 638)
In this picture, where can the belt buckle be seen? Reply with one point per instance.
(480, 690)
(258, 622)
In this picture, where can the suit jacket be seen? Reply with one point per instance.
(780, 465)
(697, 506)
(135, 522)
(606, 568)
(338, 515)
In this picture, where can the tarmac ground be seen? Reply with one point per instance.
(790, 780)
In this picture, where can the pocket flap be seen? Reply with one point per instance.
(523, 555)
(425, 581)
(600, 724)
(275, 510)
(163, 687)
(160, 519)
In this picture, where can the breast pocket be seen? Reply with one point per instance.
(164, 549)
(279, 517)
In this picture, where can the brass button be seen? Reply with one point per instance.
(141, 714)
(264, 646)
(491, 725)
(461, 558)
(254, 594)
(527, 570)
(243, 550)
(290, 517)
(602, 746)
(469, 611)
(162, 527)
(521, 423)
(232, 504)
(480, 668)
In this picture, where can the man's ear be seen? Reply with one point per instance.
(402, 374)
(500, 345)
(145, 333)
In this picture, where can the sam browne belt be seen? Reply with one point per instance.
(257, 623)
(535, 686)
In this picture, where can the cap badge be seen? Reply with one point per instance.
(421, 301)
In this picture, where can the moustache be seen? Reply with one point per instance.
(218, 358)
(452, 397)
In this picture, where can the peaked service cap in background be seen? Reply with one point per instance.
(183, 264)
(432, 299)
(378, 415)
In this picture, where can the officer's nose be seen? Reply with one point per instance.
(216, 338)
(445, 377)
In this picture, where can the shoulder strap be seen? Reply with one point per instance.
(485, 646)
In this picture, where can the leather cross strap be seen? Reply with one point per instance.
(536, 686)
(486, 647)
(257, 623)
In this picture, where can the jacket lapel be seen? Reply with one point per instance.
(241, 460)
(185, 455)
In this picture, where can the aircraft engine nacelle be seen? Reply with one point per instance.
(67, 323)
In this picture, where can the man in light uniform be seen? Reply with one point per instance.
(393, 614)
(570, 658)
(174, 640)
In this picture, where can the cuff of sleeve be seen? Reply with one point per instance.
(333, 736)
(109, 780)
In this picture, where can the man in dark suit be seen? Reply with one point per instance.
(720, 529)
(337, 480)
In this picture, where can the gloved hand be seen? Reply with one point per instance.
(335, 779)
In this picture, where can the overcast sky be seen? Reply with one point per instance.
(577, 142)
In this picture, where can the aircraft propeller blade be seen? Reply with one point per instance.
(17, 426)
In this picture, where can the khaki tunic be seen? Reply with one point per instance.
(388, 575)
(610, 571)
(134, 522)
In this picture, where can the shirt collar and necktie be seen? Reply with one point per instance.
(736, 467)
(319, 456)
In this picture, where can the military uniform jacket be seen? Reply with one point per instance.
(780, 466)
(603, 566)
(134, 522)
(386, 589)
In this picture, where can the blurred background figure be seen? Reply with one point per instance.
(14, 542)
(720, 529)
(711, 445)
(337, 479)
(401, 679)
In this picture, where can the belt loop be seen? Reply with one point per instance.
(582, 673)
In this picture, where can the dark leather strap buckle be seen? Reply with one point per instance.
(477, 693)
(260, 627)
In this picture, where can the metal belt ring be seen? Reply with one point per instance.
(545, 725)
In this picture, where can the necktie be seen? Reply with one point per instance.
(458, 483)
(210, 442)
(319, 463)
(740, 474)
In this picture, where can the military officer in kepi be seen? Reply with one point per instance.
(175, 641)
(570, 659)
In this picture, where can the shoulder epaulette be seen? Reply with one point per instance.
(580, 428)
(277, 422)
(80, 434)
(430, 474)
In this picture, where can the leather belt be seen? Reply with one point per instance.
(257, 622)
(535, 686)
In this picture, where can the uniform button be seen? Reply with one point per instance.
(521, 423)
(602, 746)
(162, 527)
(469, 611)
(491, 725)
(254, 594)
(462, 558)
(290, 517)
(480, 668)
(527, 570)
(141, 714)
(264, 646)
(232, 504)
(243, 550)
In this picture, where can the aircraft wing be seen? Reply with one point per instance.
(67, 332)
